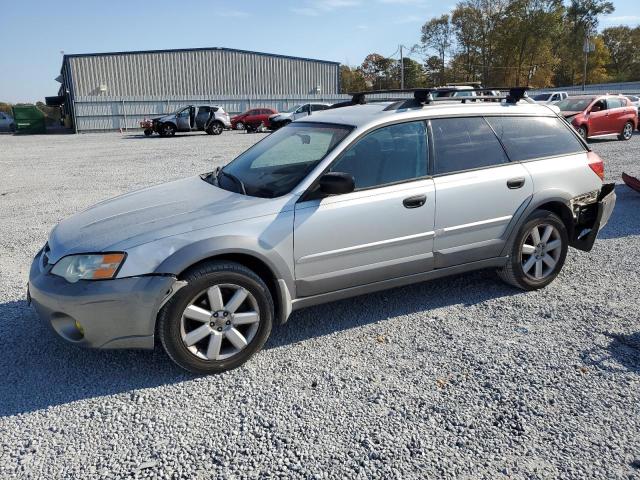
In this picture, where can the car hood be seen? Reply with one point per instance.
(153, 213)
(280, 116)
(163, 118)
(569, 115)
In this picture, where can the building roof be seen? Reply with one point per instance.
(224, 49)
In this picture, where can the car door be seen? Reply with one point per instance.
(617, 114)
(478, 190)
(599, 118)
(383, 229)
(302, 111)
(183, 121)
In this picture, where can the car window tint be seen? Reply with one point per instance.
(525, 138)
(387, 155)
(463, 144)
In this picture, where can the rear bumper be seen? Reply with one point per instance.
(592, 218)
(118, 313)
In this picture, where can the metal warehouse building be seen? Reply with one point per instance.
(107, 91)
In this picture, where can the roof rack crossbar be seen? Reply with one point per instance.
(424, 96)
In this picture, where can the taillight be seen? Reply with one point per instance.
(596, 164)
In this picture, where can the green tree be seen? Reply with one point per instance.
(437, 36)
(376, 70)
(622, 44)
(351, 79)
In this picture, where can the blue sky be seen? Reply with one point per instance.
(34, 32)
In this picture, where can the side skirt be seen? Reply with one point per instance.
(303, 302)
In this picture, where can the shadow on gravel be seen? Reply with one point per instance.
(38, 370)
(467, 289)
(625, 220)
(622, 354)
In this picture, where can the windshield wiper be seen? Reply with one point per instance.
(235, 179)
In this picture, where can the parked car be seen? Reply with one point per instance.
(211, 119)
(345, 202)
(253, 117)
(298, 111)
(600, 115)
(635, 101)
(6, 123)
(550, 97)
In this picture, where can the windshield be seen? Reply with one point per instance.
(542, 97)
(274, 166)
(574, 104)
(292, 109)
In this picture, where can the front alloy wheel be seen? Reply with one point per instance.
(218, 320)
(582, 131)
(240, 126)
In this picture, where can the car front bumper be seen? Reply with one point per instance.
(118, 313)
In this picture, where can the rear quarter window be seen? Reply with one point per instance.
(525, 138)
(464, 144)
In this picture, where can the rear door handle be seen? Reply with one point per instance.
(514, 183)
(415, 201)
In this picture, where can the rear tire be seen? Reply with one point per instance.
(627, 132)
(216, 128)
(238, 334)
(537, 253)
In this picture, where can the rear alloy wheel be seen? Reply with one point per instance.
(168, 130)
(627, 131)
(537, 253)
(218, 320)
(240, 126)
(216, 128)
(582, 131)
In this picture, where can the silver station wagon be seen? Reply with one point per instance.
(359, 198)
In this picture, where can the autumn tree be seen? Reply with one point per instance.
(437, 36)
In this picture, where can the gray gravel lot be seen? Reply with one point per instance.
(462, 377)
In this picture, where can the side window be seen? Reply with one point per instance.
(614, 103)
(599, 105)
(525, 138)
(464, 144)
(388, 155)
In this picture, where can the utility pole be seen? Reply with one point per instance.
(401, 68)
(586, 47)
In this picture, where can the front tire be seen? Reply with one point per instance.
(148, 132)
(627, 132)
(218, 320)
(240, 126)
(582, 131)
(538, 252)
(167, 130)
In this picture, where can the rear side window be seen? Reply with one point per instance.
(615, 102)
(525, 138)
(464, 144)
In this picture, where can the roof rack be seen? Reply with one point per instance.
(424, 96)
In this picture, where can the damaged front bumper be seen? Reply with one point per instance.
(592, 217)
(116, 313)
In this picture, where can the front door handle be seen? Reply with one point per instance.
(415, 201)
(514, 183)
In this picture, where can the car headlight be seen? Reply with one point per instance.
(88, 267)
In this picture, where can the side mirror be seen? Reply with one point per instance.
(337, 183)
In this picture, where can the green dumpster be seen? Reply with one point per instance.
(28, 119)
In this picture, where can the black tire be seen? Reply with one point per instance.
(513, 272)
(627, 132)
(167, 130)
(583, 132)
(240, 126)
(148, 132)
(199, 280)
(216, 128)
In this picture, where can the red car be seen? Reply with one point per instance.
(252, 117)
(600, 115)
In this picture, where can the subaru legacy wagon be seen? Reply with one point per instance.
(344, 202)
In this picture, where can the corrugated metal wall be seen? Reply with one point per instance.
(200, 72)
(112, 113)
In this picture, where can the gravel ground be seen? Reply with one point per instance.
(462, 377)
